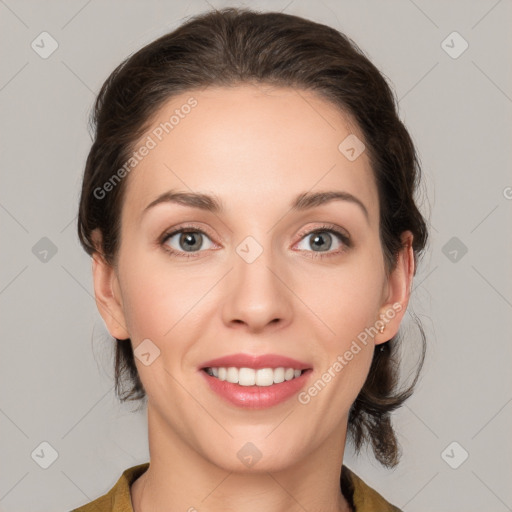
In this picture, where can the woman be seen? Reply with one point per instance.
(248, 205)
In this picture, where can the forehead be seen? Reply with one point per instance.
(248, 143)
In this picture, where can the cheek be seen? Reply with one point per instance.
(158, 297)
(349, 299)
(142, 290)
(349, 304)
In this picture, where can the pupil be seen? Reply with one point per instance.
(195, 241)
(320, 238)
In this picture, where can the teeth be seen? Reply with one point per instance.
(264, 377)
(246, 377)
(252, 377)
(278, 375)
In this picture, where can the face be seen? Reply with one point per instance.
(270, 273)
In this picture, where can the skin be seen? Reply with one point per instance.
(256, 148)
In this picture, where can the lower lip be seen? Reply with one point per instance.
(256, 397)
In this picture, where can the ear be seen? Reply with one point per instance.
(398, 292)
(107, 292)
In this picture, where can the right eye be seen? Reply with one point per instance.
(186, 240)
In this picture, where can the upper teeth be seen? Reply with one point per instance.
(251, 377)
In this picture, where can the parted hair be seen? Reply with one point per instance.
(231, 47)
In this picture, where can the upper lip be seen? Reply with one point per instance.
(256, 362)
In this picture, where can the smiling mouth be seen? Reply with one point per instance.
(263, 377)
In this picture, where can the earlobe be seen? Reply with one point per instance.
(108, 302)
(399, 290)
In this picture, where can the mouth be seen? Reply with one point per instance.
(255, 382)
(261, 377)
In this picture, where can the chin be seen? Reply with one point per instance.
(249, 457)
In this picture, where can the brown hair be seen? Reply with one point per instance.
(235, 46)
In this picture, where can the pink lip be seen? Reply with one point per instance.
(256, 362)
(256, 397)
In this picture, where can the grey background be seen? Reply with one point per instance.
(56, 370)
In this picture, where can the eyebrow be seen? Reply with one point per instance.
(213, 204)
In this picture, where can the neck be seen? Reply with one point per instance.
(181, 477)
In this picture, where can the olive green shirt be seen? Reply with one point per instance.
(360, 496)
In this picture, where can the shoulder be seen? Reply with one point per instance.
(118, 499)
(364, 498)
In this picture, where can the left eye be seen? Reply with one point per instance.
(322, 240)
(188, 241)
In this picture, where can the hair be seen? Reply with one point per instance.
(233, 47)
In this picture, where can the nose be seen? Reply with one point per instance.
(256, 295)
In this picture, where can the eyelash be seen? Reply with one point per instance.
(329, 228)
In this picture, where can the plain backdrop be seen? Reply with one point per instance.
(56, 363)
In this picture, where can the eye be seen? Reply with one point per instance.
(189, 242)
(186, 240)
(325, 239)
